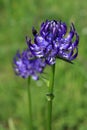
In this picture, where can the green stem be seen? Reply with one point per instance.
(50, 98)
(30, 106)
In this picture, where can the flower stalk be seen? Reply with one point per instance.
(30, 106)
(50, 43)
(50, 98)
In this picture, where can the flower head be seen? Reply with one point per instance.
(53, 42)
(25, 65)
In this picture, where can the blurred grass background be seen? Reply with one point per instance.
(70, 103)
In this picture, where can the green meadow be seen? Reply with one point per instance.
(17, 17)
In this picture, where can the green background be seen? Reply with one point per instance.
(70, 103)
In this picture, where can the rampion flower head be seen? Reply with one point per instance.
(25, 64)
(53, 41)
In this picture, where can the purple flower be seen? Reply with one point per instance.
(26, 64)
(53, 42)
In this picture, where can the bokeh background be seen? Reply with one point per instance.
(70, 103)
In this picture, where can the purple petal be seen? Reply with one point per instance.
(75, 43)
(70, 35)
(75, 55)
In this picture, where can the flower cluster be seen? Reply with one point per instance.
(25, 64)
(50, 43)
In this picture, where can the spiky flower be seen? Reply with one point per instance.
(26, 64)
(53, 42)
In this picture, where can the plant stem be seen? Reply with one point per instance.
(30, 106)
(50, 98)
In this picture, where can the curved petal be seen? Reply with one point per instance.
(50, 60)
(70, 35)
(75, 55)
(34, 31)
(75, 43)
